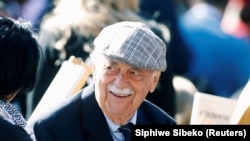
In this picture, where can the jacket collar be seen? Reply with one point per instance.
(93, 120)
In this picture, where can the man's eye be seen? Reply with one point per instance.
(134, 72)
(111, 70)
(136, 75)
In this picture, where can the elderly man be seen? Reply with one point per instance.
(127, 63)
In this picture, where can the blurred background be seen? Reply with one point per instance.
(208, 43)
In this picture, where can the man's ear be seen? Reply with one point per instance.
(156, 78)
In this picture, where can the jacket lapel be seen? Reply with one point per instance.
(141, 118)
(94, 122)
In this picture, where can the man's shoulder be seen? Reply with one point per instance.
(11, 132)
(156, 114)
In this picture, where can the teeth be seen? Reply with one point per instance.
(122, 95)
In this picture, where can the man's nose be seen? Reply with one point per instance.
(122, 79)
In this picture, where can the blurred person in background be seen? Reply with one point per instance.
(235, 12)
(178, 55)
(3, 10)
(220, 62)
(20, 57)
(164, 11)
(33, 11)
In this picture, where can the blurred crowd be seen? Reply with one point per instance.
(208, 43)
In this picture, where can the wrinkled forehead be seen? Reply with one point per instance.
(112, 61)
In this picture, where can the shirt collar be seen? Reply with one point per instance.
(114, 127)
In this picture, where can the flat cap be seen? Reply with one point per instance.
(133, 43)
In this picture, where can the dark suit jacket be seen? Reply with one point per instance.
(11, 132)
(81, 119)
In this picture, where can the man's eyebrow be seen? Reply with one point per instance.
(135, 68)
(115, 62)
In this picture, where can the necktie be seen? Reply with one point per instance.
(126, 131)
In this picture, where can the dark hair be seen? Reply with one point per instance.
(218, 3)
(245, 14)
(20, 56)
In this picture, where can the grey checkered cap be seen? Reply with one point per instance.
(133, 43)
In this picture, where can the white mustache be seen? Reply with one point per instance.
(123, 91)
